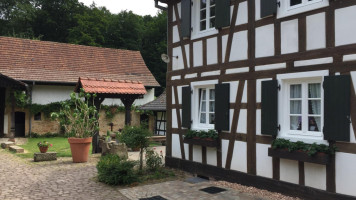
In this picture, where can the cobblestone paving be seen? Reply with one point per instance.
(62, 179)
(179, 190)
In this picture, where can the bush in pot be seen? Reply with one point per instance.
(79, 117)
(136, 137)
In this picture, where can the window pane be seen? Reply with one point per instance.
(295, 2)
(314, 124)
(212, 106)
(203, 118)
(202, 4)
(212, 95)
(314, 90)
(212, 2)
(203, 15)
(203, 95)
(203, 106)
(315, 107)
(202, 25)
(295, 107)
(211, 118)
(295, 123)
(212, 22)
(296, 91)
(212, 11)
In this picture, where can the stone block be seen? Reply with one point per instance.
(6, 145)
(39, 157)
(112, 147)
(16, 149)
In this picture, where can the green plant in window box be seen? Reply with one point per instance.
(310, 149)
(207, 135)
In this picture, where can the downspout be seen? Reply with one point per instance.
(30, 114)
(158, 6)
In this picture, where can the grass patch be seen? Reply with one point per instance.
(60, 145)
(155, 144)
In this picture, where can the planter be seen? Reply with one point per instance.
(319, 158)
(43, 149)
(206, 142)
(80, 149)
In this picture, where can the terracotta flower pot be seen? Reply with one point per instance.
(43, 149)
(80, 149)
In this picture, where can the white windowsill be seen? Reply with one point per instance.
(285, 10)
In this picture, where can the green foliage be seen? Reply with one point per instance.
(311, 149)
(212, 134)
(21, 99)
(82, 121)
(153, 160)
(44, 144)
(45, 109)
(113, 170)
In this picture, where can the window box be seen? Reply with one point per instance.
(206, 142)
(319, 158)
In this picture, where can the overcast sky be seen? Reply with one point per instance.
(140, 7)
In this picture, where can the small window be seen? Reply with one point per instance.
(293, 7)
(299, 3)
(207, 106)
(38, 116)
(207, 14)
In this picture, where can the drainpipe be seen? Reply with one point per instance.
(30, 114)
(158, 6)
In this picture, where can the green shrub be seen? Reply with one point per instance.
(113, 170)
(153, 160)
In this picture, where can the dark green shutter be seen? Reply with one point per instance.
(186, 107)
(186, 6)
(269, 107)
(337, 108)
(222, 106)
(222, 13)
(268, 8)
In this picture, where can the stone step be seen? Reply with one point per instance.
(38, 157)
(16, 149)
(6, 145)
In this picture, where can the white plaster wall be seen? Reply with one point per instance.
(187, 53)
(289, 36)
(45, 94)
(258, 122)
(350, 57)
(265, 41)
(316, 36)
(150, 96)
(237, 70)
(244, 94)
(257, 9)
(175, 34)
(211, 157)
(239, 46)
(186, 150)
(179, 10)
(318, 61)
(179, 90)
(263, 161)
(177, 63)
(174, 119)
(345, 173)
(270, 66)
(211, 73)
(6, 124)
(239, 157)
(197, 153)
(231, 116)
(223, 46)
(198, 53)
(242, 13)
(212, 50)
(289, 171)
(352, 135)
(224, 149)
(176, 146)
(233, 90)
(315, 175)
(242, 122)
(345, 26)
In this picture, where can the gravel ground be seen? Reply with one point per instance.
(254, 191)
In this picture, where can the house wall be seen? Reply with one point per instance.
(250, 51)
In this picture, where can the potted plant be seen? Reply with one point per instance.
(204, 138)
(79, 117)
(43, 146)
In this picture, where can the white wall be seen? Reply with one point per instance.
(45, 94)
(176, 146)
(148, 97)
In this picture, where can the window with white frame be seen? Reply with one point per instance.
(301, 107)
(207, 14)
(206, 114)
(292, 7)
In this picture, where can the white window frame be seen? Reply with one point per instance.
(285, 9)
(195, 111)
(196, 33)
(285, 80)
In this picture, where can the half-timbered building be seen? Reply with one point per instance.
(256, 70)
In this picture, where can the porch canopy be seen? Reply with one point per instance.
(6, 81)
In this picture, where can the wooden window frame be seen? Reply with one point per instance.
(196, 32)
(207, 103)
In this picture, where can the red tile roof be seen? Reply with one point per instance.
(33, 60)
(107, 86)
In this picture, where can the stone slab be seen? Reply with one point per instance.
(16, 149)
(49, 156)
(6, 145)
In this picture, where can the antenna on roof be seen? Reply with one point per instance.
(165, 58)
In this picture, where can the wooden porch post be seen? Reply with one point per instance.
(96, 148)
(12, 127)
(128, 101)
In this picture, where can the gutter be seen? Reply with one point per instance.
(159, 6)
